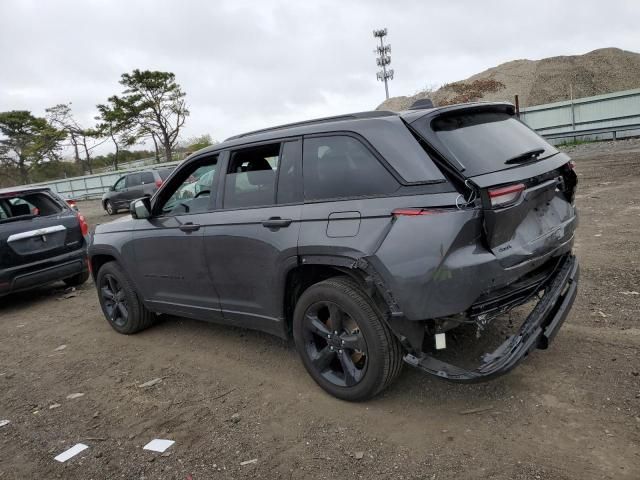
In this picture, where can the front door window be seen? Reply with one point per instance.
(191, 194)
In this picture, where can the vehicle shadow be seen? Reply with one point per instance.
(260, 350)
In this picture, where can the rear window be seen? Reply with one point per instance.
(164, 173)
(28, 205)
(485, 142)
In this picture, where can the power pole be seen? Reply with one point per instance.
(383, 59)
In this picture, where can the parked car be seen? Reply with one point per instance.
(42, 240)
(132, 186)
(367, 237)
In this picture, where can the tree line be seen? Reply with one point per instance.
(151, 106)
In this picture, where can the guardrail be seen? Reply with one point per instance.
(93, 186)
(594, 118)
(592, 132)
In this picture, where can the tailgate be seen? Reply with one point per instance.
(526, 186)
(530, 215)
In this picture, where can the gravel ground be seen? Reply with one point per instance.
(227, 396)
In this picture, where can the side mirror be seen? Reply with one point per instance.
(112, 188)
(141, 208)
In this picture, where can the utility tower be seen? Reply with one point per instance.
(383, 60)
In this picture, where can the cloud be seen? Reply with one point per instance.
(247, 65)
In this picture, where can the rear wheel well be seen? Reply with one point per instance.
(303, 276)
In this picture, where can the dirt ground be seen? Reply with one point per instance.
(571, 412)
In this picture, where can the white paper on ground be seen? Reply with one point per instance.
(4, 423)
(72, 452)
(158, 445)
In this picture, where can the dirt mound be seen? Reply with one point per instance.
(539, 81)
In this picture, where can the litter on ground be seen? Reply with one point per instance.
(150, 383)
(158, 445)
(72, 452)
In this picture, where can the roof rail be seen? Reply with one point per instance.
(351, 116)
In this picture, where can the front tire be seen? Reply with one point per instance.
(120, 304)
(343, 341)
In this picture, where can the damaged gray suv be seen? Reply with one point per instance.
(370, 238)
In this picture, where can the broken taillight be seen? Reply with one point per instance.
(505, 195)
(84, 226)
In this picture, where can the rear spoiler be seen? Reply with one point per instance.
(415, 115)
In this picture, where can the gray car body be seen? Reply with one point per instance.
(235, 270)
(121, 199)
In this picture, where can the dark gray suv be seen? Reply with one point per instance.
(42, 240)
(132, 186)
(371, 238)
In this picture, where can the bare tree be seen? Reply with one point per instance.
(79, 138)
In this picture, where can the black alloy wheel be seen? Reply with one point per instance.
(335, 344)
(114, 301)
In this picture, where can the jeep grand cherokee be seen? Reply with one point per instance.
(367, 237)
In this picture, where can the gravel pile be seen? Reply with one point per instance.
(547, 80)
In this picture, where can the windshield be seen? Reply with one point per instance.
(485, 142)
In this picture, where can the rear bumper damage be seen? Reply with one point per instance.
(537, 331)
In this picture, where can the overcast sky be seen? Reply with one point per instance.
(252, 64)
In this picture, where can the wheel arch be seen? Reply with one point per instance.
(314, 269)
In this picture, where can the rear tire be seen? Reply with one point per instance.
(77, 280)
(120, 304)
(327, 356)
(109, 208)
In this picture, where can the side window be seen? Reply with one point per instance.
(290, 176)
(164, 173)
(133, 180)
(251, 178)
(147, 177)
(191, 190)
(4, 210)
(342, 166)
(119, 185)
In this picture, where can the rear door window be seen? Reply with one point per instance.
(147, 178)
(485, 142)
(251, 177)
(133, 180)
(341, 166)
